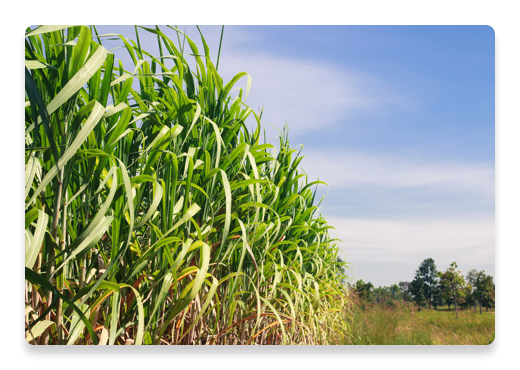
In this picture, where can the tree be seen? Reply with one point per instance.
(364, 290)
(471, 278)
(377, 294)
(382, 294)
(417, 291)
(394, 290)
(446, 298)
(428, 273)
(405, 290)
(484, 288)
(437, 296)
(489, 298)
(454, 286)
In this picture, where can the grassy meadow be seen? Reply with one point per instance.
(403, 324)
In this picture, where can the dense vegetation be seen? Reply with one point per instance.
(434, 288)
(402, 314)
(153, 215)
(400, 323)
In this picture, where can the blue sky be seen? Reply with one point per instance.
(398, 120)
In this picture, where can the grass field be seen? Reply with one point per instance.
(403, 324)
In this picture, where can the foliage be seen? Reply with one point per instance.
(427, 272)
(385, 294)
(471, 278)
(153, 215)
(342, 271)
(453, 285)
(402, 324)
(404, 286)
(394, 291)
(488, 300)
(417, 291)
(437, 296)
(484, 289)
(365, 291)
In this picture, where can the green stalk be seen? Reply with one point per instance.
(138, 43)
(220, 47)
(50, 251)
(83, 260)
(62, 275)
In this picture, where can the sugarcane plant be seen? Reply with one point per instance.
(153, 215)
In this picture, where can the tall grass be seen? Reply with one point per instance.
(401, 323)
(154, 215)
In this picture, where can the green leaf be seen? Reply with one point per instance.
(38, 330)
(36, 279)
(77, 325)
(113, 110)
(34, 242)
(45, 29)
(31, 168)
(94, 118)
(80, 78)
(167, 282)
(35, 64)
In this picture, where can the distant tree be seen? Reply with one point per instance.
(446, 298)
(454, 286)
(405, 286)
(489, 302)
(489, 298)
(428, 273)
(484, 290)
(394, 290)
(378, 294)
(364, 290)
(417, 291)
(471, 278)
(437, 296)
(383, 294)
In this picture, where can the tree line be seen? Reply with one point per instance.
(435, 288)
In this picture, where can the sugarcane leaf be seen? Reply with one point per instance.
(38, 329)
(36, 279)
(75, 83)
(93, 120)
(35, 240)
(36, 64)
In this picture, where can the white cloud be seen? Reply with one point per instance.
(306, 92)
(308, 95)
(410, 241)
(386, 251)
(351, 170)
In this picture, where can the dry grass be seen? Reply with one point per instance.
(401, 323)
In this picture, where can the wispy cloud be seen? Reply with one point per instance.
(308, 95)
(370, 244)
(390, 241)
(358, 170)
